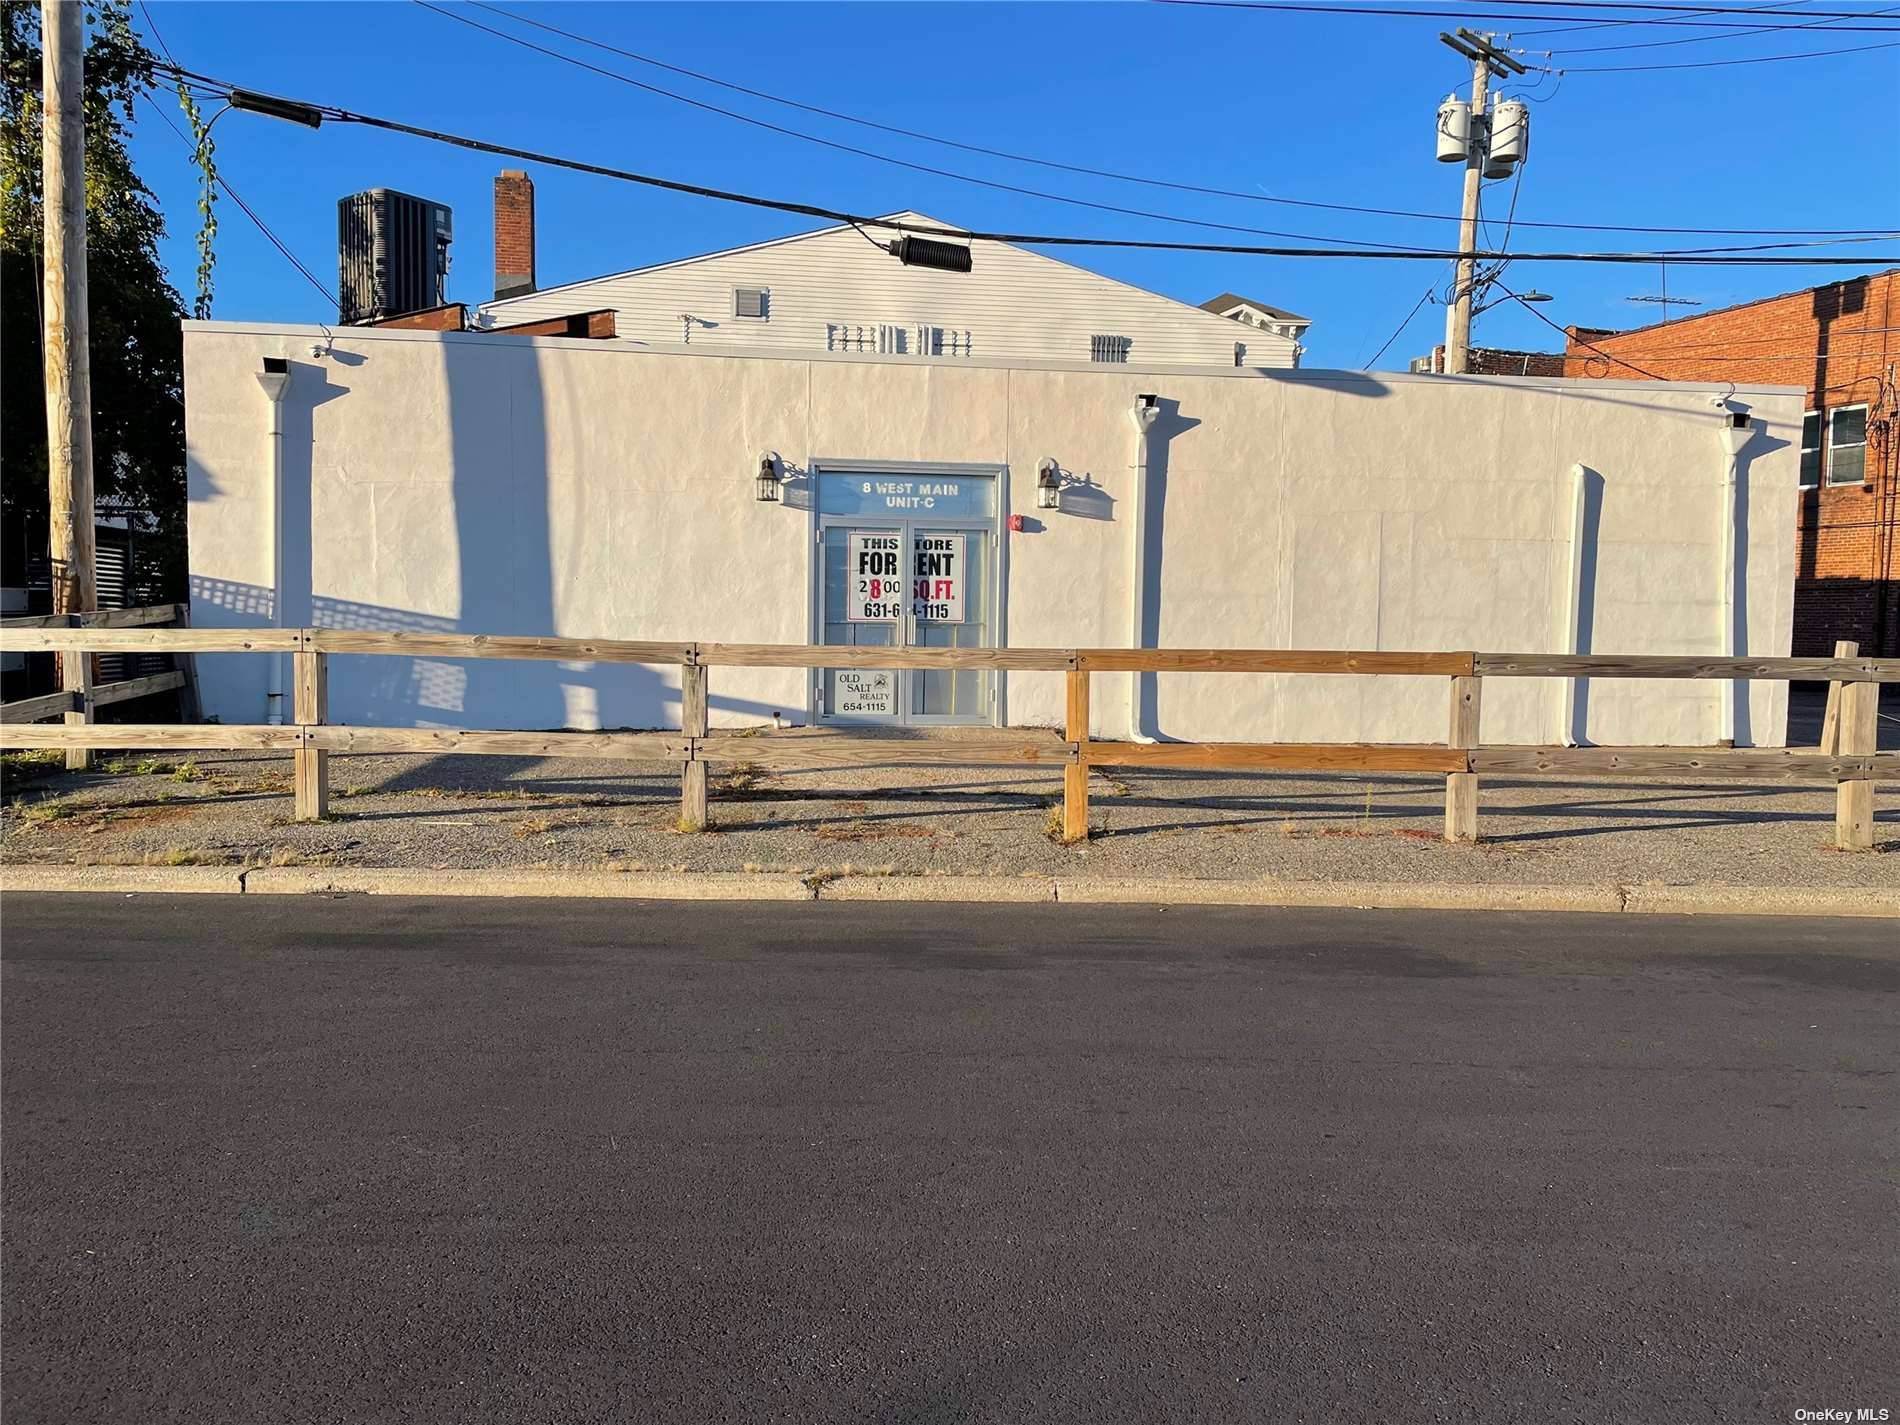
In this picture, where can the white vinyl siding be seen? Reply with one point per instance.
(1013, 304)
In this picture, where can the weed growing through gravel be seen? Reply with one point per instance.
(187, 856)
(45, 813)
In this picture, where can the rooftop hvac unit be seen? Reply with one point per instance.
(392, 254)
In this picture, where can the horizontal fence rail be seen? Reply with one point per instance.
(1848, 759)
(81, 694)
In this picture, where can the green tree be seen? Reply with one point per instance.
(137, 347)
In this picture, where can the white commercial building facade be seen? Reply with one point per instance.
(480, 483)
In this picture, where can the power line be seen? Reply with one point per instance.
(1116, 176)
(1710, 39)
(1833, 337)
(1632, 24)
(1696, 257)
(223, 183)
(1570, 336)
(1723, 63)
(888, 158)
(1462, 14)
(1417, 306)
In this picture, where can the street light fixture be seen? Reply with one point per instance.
(1531, 296)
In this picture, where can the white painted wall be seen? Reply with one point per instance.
(547, 485)
(1014, 303)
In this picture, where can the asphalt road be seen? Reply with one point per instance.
(379, 1160)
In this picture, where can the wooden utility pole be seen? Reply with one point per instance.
(64, 336)
(1486, 60)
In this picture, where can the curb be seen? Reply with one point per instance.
(594, 885)
(939, 888)
(1648, 899)
(1345, 895)
(125, 880)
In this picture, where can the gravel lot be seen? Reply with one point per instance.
(449, 811)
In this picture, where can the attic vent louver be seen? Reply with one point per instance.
(1109, 348)
(749, 302)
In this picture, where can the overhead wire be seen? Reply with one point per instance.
(224, 183)
(1724, 63)
(1399, 331)
(1282, 7)
(1570, 335)
(930, 169)
(1631, 24)
(1117, 176)
(1725, 257)
(1709, 39)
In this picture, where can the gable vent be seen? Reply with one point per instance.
(1109, 348)
(750, 302)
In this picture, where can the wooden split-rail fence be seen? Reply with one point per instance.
(1851, 761)
(81, 694)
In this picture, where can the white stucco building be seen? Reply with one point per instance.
(499, 484)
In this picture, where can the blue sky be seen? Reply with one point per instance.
(1333, 108)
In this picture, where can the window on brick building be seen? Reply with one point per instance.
(1847, 445)
(1810, 450)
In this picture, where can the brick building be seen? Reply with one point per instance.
(1842, 342)
(1496, 361)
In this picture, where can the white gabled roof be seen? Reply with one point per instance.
(907, 215)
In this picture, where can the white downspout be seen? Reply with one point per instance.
(1568, 730)
(1144, 413)
(275, 379)
(1735, 435)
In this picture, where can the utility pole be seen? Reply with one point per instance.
(64, 336)
(1468, 136)
(64, 339)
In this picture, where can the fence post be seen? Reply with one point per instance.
(693, 815)
(1075, 776)
(1831, 720)
(1859, 734)
(310, 706)
(75, 676)
(1461, 788)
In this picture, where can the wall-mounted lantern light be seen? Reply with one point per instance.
(1048, 484)
(768, 478)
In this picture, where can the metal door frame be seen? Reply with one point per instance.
(998, 584)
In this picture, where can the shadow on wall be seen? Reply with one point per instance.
(500, 489)
(1584, 610)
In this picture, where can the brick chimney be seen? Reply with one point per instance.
(514, 233)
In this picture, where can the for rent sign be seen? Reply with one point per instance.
(875, 578)
(938, 577)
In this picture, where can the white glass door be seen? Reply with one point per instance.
(863, 599)
(906, 558)
(950, 599)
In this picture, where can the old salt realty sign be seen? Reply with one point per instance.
(866, 692)
(876, 578)
(937, 587)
